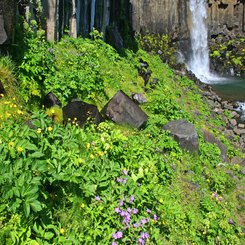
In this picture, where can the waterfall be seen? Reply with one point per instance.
(199, 60)
(93, 7)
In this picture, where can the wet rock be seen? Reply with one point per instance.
(50, 100)
(139, 98)
(184, 133)
(80, 112)
(121, 109)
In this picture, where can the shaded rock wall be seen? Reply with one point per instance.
(7, 19)
(226, 16)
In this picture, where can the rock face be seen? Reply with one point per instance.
(225, 16)
(7, 20)
(80, 112)
(121, 109)
(165, 16)
(184, 133)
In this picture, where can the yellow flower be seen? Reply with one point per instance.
(20, 149)
(100, 154)
(80, 160)
(39, 130)
(91, 156)
(20, 112)
(62, 230)
(161, 200)
(50, 129)
(82, 205)
(11, 144)
(88, 145)
(52, 111)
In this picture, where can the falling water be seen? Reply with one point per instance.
(93, 6)
(199, 60)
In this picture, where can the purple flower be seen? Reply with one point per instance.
(148, 210)
(117, 235)
(141, 241)
(144, 235)
(121, 203)
(123, 213)
(114, 243)
(135, 211)
(131, 200)
(125, 172)
(125, 181)
(119, 180)
(117, 210)
(155, 217)
(143, 221)
(129, 210)
(136, 225)
(231, 221)
(97, 198)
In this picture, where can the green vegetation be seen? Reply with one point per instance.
(111, 184)
(228, 54)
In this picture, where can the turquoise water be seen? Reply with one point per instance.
(230, 88)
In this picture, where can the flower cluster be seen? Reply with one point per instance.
(132, 217)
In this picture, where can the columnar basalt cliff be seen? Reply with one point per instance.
(226, 16)
(154, 16)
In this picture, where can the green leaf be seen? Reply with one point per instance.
(26, 209)
(36, 206)
(48, 235)
(36, 154)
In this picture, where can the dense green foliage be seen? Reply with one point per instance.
(111, 184)
(228, 54)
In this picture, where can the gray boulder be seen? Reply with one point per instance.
(184, 133)
(121, 109)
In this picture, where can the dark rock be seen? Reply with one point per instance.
(139, 98)
(30, 124)
(50, 100)
(184, 133)
(210, 138)
(114, 38)
(154, 82)
(2, 90)
(121, 109)
(80, 112)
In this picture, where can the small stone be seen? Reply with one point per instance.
(233, 122)
(234, 114)
(240, 125)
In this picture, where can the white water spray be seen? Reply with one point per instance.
(199, 60)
